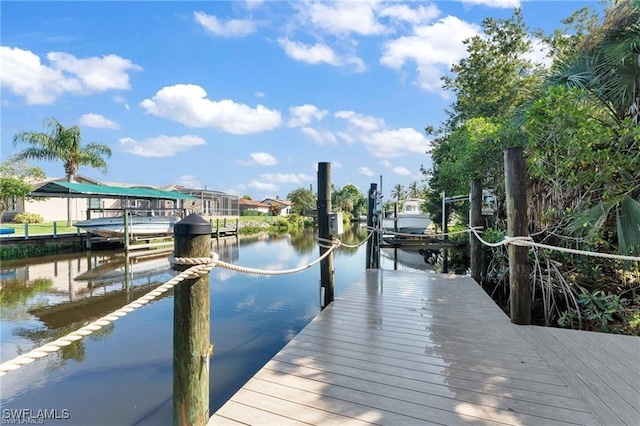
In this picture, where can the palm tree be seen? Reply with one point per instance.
(414, 190)
(64, 144)
(397, 192)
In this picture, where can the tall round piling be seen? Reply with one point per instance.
(191, 326)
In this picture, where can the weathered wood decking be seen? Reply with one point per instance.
(413, 348)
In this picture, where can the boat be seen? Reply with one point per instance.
(6, 231)
(138, 225)
(411, 219)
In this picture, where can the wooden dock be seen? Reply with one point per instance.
(401, 348)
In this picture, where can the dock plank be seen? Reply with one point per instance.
(412, 348)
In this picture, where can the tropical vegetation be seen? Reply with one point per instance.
(16, 181)
(578, 122)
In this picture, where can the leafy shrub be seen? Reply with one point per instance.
(597, 311)
(28, 218)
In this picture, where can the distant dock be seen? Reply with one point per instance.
(417, 348)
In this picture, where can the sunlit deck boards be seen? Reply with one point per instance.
(405, 348)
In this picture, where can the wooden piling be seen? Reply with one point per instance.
(475, 220)
(515, 174)
(324, 207)
(191, 329)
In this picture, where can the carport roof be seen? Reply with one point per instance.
(86, 190)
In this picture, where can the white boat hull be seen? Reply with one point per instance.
(408, 223)
(410, 220)
(138, 225)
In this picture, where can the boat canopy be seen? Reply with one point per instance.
(87, 190)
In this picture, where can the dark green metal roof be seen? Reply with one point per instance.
(87, 190)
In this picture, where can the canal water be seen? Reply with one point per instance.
(122, 374)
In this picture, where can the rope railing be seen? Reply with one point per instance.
(528, 242)
(51, 347)
(404, 234)
(199, 267)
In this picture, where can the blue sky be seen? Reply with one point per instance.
(245, 96)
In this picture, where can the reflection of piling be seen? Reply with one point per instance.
(191, 329)
(324, 207)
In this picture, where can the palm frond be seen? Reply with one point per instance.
(628, 226)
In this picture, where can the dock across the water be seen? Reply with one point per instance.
(402, 348)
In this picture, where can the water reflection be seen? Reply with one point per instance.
(127, 366)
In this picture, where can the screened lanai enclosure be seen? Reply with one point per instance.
(210, 203)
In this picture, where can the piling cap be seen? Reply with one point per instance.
(193, 224)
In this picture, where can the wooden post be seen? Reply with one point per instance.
(515, 174)
(26, 231)
(371, 203)
(475, 220)
(191, 332)
(55, 229)
(324, 207)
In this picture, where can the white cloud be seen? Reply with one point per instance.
(502, 4)
(366, 171)
(348, 138)
(402, 171)
(336, 164)
(343, 17)
(403, 12)
(254, 4)
(187, 104)
(160, 146)
(387, 164)
(433, 48)
(97, 121)
(230, 28)
(263, 186)
(395, 143)
(259, 159)
(318, 53)
(286, 177)
(121, 100)
(320, 136)
(189, 181)
(25, 75)
(259, 94)
(361, 121)
(539, 52)
(305, 114)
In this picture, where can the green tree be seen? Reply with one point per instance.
(303, 201)
(583, 132)
(16, 181)
(348, 199)
(64, 144)
(247, 197)
(490, 85)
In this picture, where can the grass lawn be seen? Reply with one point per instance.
(40, 228)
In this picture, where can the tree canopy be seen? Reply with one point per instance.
(16, 181)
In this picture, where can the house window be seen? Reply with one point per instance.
(206, 207)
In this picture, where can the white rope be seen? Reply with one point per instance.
(199, 267)
(254, 271)
(528, 242)
(191, 273)
(357, 245)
